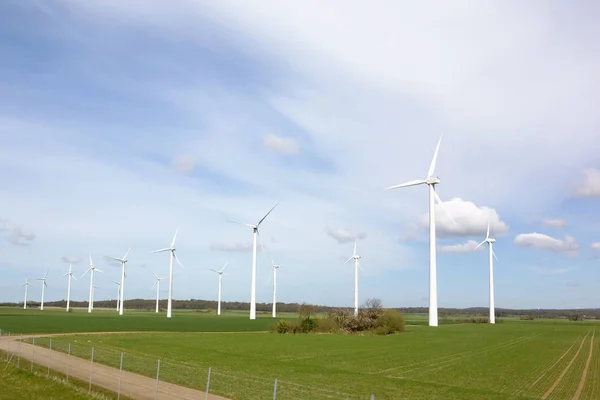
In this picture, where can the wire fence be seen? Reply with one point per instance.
(142, 376)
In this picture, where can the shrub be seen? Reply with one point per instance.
(295, 327)
(326, 325)
(308, 325)
(283, 326)
(527, 317)
(390, 321)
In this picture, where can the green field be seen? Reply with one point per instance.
(511, 360)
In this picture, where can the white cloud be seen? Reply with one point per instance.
(344, 235)
(282, 145)
(467, 247)
(551, 271)
(71, 260)
(589, 185)
(20, 237)
(555, 223)
(471, 220)
(184, 162)
(539, 241)
(595, 246)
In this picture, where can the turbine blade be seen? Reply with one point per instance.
(487, 235)
(267, 214)
(434, 160)
(160, 250)
(88, 270)
(479, 245)
(346, 262)
(359, 267)
(153, 286)
(126, 254)
(73, 277)
(214, 270)
(409, 183)
(494, 254)
(66, 274)
(222, 269)
(115, 258)
(177, 259)
(156, 276)
(441, 203)
(239, 223)
(354, 247)
(261, 242)
(98, 270)
(91, 260)
(174, 237)
(46, 274)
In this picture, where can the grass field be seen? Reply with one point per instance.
(513, 360)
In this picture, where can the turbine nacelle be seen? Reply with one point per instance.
(490, 240)
(432, 181)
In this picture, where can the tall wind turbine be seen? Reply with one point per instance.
(490, 242)
(220, 272)
(172, 256)
(118, 293)
(43, 287)
(430, 181)
(70, 275)
(253, 285)
(26, 285)
(91, 270)
(275, 268)
(157, 284)
(355, 257)
(123, 262)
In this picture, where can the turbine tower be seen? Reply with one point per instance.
(43, 287)
(91, 270)
(123, 262)
(253, 285)
(118, 293)
(490, 241)
(93, 292)
(430, 181)
(355, 257)
(220, 272)
(157, 284)
(26, 285)
(275, 268)
(70, 275)
(172, 256)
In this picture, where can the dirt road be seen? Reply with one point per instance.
(132, 385)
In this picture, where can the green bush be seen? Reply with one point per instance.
(391, 321)
(283, 326)
(308, 325)
(326, 325)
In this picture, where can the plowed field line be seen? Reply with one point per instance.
(585, 371)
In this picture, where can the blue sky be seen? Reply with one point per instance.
(122, 121)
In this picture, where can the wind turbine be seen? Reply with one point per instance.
(43, 287)
(253, 286)
(70, 275)
(430, 181)
(490, 242)
(26, 285)
(173, 256)
(93, 293)
(355, 257)
(157, 284)
(91, 270)
(123, 262)
(220, 272)
(118, 293)
(275, 268)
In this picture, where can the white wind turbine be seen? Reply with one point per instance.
(220, 272)
(70, 275)
(43, 287)
(431, 181)
(118, 293)
(253, 285)
(355, 257)
(123, 262)
(26, 285)
(490, 241)
(172, 256)
(93, 293)
(157, 284)
(91, 270)
(275, 268)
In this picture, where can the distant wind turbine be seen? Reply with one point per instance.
(431, 181)
(157, 284)
(118, 293)
(26, 285)
(70, 275)
(123, 262)
(220, 272)
(43, 287)
(253, 285)
(490, 242)
(91, 270)
(275, 268)
(172, 256)
(355, 257)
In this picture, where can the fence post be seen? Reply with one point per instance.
(49, 358)
(120, 374)
(157, 375)
(19, 351)
(32, 354)
(372, 396)
(68, 361)
(91, 366)
(275, 390)
(208, 382)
